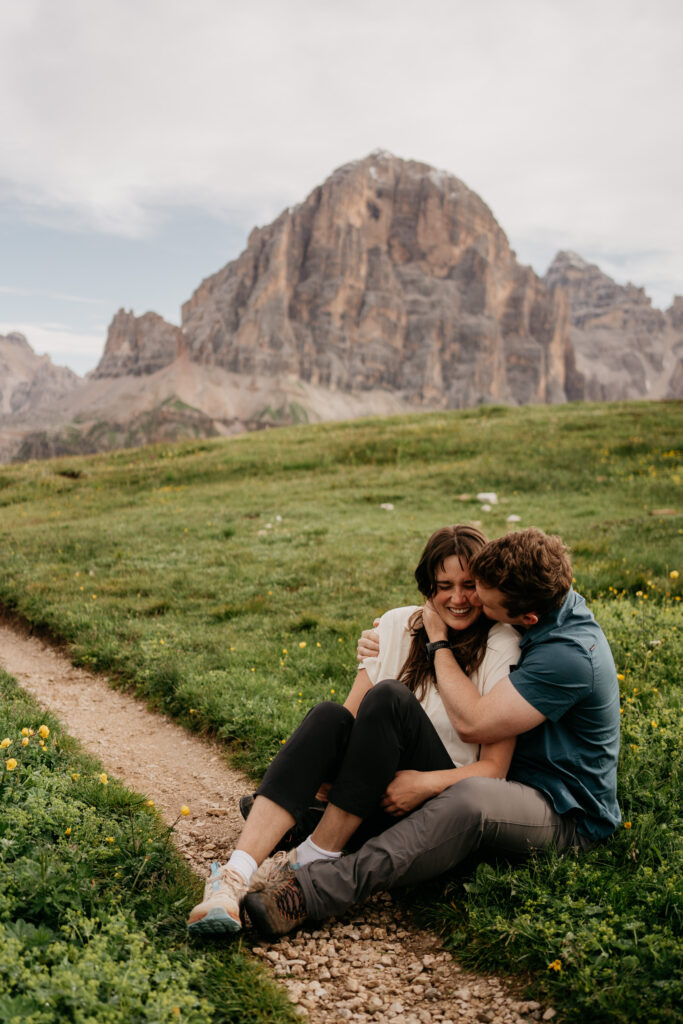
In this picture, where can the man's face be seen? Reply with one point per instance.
(493, 604)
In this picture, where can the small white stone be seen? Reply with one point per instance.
(513, 519)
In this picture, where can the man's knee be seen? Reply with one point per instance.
(463, 802)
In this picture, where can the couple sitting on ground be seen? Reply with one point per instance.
(483, 723)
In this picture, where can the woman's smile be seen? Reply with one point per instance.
(456, 598)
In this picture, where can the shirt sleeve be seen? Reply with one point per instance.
(394, 645)
(553, 677)
(502, 653)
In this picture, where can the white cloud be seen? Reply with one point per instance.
(54, 296)
(563, 117)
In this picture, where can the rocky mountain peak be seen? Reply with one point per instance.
(623, 346)
(389, 275)
(28, 380)
(138, 345)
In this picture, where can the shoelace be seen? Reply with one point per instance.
(289, 900)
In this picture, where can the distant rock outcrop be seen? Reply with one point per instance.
(27, 380)
(390, 275)
(623, 347)
(391, 288)
(139, 345)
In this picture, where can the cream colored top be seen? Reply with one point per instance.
(502, 651)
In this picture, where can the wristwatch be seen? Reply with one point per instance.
(436, 646)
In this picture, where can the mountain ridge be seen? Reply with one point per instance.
(390, 288)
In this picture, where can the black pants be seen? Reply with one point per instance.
(359, 756)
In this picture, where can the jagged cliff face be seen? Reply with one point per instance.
(27, 380)
(390, 275)
(623, 347)
(390, 288)
(139, 345)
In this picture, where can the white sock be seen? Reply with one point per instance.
(243, 863)
(308, 852)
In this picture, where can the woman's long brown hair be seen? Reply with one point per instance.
(468, 645)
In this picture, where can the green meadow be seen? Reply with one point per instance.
(226, 583)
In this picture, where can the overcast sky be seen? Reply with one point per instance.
(141, 140)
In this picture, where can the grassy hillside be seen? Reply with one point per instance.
(227, 582)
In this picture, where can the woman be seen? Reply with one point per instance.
(388, 749)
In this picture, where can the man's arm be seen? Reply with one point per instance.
(500, 713)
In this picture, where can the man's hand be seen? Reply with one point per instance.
(406, 791)
(368, 643)
(433, 623)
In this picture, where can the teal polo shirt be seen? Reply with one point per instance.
(566, 671)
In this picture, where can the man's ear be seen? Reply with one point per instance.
(529, 619)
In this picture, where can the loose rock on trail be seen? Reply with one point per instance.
(372, 964)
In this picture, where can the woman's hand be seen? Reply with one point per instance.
(324, 792)
(434, 625)
(368, 643)
(407, 790)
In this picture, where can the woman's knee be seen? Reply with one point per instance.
(389, 694)
(328, 714)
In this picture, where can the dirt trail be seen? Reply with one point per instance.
(370, 965)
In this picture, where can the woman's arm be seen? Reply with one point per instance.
(409, 789)
(361, 685)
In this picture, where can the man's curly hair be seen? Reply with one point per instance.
(530, 568)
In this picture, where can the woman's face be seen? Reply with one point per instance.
(456, 598)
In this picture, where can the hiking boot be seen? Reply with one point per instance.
(279, 909)
(271, 870)
(219, 911)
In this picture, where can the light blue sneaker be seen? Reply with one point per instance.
(219, 911)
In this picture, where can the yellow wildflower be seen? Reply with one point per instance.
(673, 574)
(103, 779)
(184, 810)
(620, 677)
(25, 741)
(11, 764)
(43, 732)
(5, 743)
(76, 776)
(150, 803)
(24, 731)
(627, 824)
(67, 831)
(556, 966)
(302, 643)
(109, 839)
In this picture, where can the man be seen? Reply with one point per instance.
(561, 701)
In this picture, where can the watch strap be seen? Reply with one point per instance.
(437, 645)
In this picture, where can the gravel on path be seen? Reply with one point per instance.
(372, 964)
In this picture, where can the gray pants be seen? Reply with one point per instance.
(477, 816)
